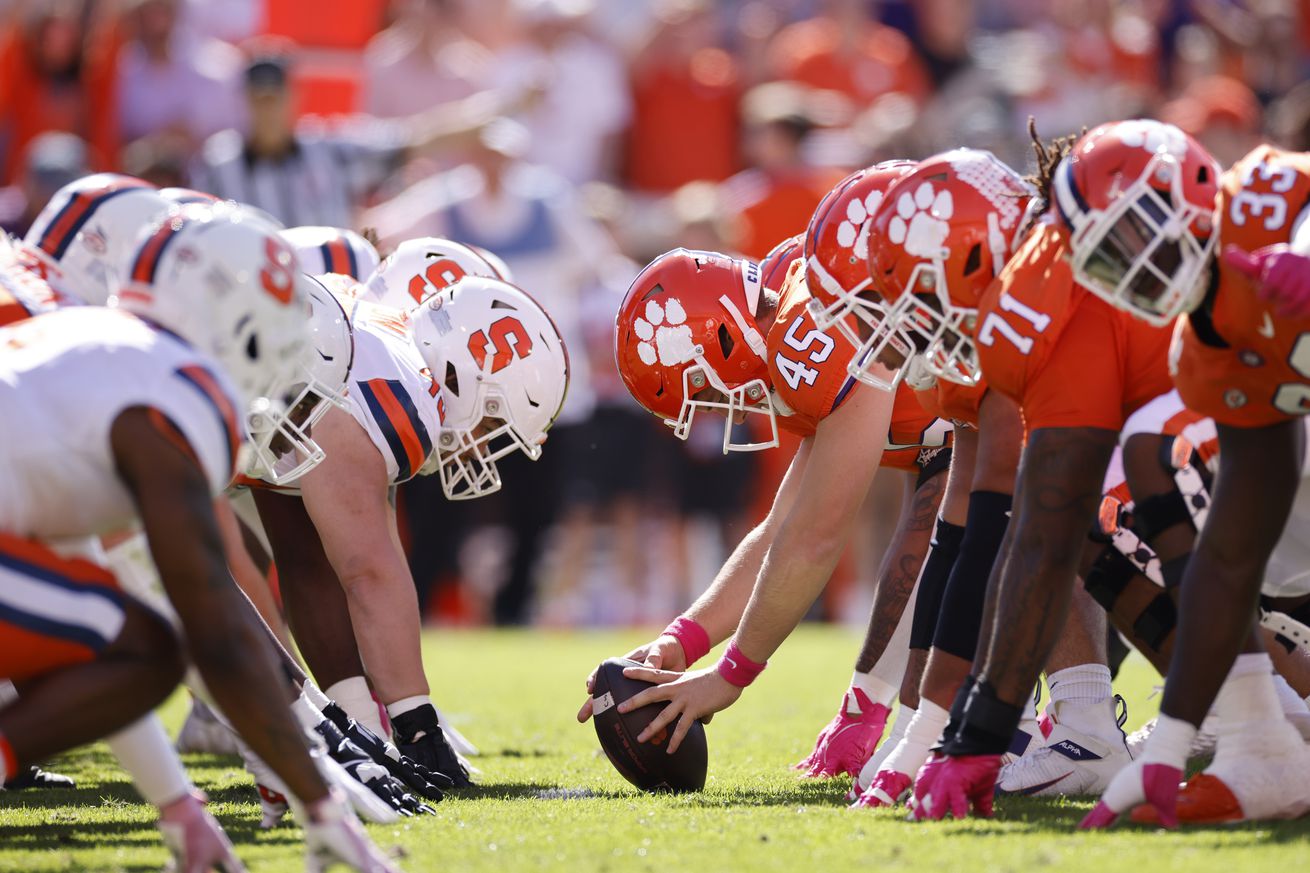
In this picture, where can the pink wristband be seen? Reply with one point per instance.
(737, 669)
(693, 638)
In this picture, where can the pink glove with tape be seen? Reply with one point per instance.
(849, 739)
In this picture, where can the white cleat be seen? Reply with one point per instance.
(1203, 746)
(1069, 762)
(203, 733)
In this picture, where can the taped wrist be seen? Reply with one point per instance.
(957, 709)
(987, 726)
(960, 617)
(945, 551)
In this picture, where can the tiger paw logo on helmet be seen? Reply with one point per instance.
(1154, 136)
(921, 221)
(853, 232)
(664, 335)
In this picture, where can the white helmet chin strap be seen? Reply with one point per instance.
(753, 338)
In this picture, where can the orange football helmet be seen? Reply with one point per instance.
(941, 236)
(836, 259)
(685, 339)
(1139, 198)
(774, 267)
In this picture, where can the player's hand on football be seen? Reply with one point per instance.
(1282, 276)
(691, 697)
(333, 836)
(663, 653)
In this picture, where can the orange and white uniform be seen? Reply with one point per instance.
(65, 377)
(807, 368)
(29, 285)
(391, 393)
(1068, 358)
(1234, 359)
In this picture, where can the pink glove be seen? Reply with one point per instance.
(951, 784)
(1282, 277)
(885, 790)
(1139, 782)
(849, 739)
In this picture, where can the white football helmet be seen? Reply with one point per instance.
(89, 227)
(287, 450)
(333, 250)
(504, 372)
(223, 279)
(419, 268)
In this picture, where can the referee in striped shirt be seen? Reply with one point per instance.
(305, 176)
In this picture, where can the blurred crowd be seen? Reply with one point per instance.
(577, 139)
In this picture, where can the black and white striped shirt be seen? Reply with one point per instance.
(321, 180)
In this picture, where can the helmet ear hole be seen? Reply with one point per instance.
(726, 344)
(252, 347)
(1203, 174)
(974, 260)
(452, 379)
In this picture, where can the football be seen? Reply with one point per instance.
(646, 765)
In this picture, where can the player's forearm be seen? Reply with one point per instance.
(720, 608)
(236, 659)
(794, 572)
(384, 611)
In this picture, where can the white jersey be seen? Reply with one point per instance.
(64, 379)
(392, 395)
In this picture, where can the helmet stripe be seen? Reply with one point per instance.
(1068, 199)
(152, 251)
(63, 229)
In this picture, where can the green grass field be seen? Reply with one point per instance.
(550, 801)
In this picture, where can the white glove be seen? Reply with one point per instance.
(333, 836)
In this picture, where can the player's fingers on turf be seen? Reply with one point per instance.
(982, 803)
(959, 803)
(680, 732)
(661, 721)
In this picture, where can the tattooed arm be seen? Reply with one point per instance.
(223, 632)
(900, 566)
(1057, 494)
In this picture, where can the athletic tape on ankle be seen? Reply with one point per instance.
(692, 636)
(737, 669)
(988, 725)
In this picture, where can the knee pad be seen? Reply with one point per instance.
(932, 582)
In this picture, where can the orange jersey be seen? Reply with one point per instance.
(807, 368)
(1068, 358)
(954, 402)
(1234, 359)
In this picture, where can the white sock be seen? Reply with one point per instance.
(408, 704)
(875, 688)
(146, 754)
(1083, 684)
(912, 751)
(904, 715)
(1248, 693)
(353, 696)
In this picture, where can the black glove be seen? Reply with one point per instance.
(419, 778)
(373, 776)
(419, 735)
(35, 777)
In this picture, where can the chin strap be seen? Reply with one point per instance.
(753, 338)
